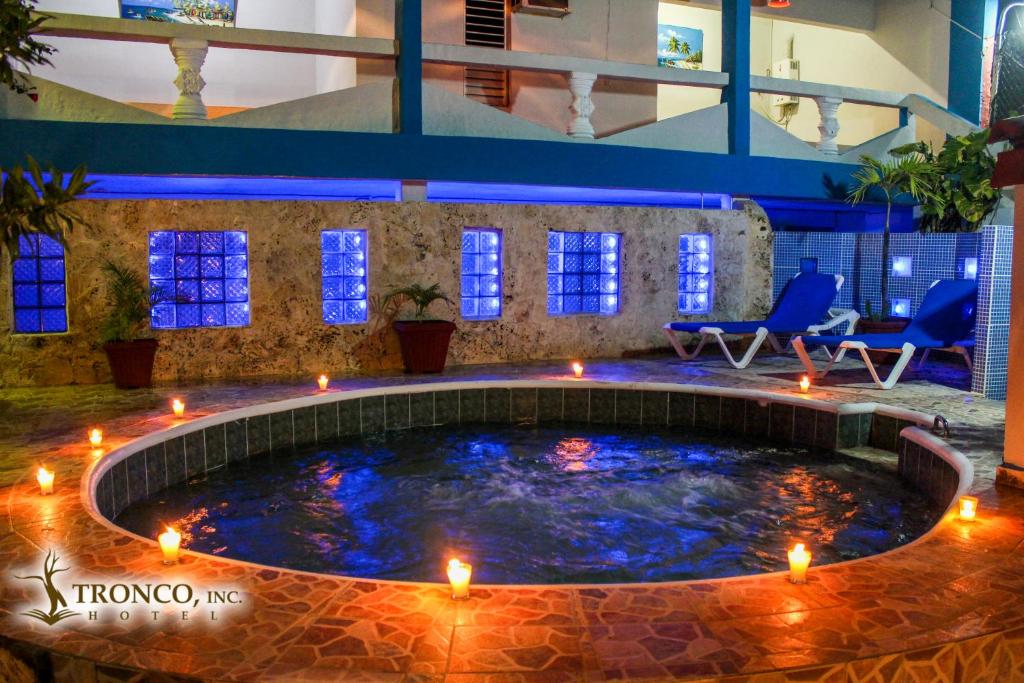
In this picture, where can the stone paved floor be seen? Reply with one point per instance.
(948, 608)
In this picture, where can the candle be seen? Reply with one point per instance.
(95, 436)
(459, 575)
(45, 479)
(577, 369)
(323, 381)
(799, 559)
(170, 541)
(805, 384)
(178, 406)
(968, 508)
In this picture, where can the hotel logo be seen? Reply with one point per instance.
(129, 602)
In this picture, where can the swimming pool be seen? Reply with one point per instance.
(550, 503)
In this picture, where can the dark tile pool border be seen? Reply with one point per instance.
(195, 449)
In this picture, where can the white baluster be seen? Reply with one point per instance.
(581, 85)
(189, 55)
(828, 108)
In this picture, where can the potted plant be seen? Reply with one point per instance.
(424, 342)
(130, 355)
(906, 174)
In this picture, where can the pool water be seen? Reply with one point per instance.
(548, 504)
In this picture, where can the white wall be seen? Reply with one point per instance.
(144, 73)
(829, 55)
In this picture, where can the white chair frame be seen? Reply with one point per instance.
(711, 333)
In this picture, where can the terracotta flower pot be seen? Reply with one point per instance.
(424, 344)
(131, 362)
(888, 326)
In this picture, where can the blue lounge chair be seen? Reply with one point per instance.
(802, 306)
(944, 321)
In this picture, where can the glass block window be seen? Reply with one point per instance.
(343, 268)
(199, 279)
(583, 273)
(696, 270)
(40, 295)
(481, 273)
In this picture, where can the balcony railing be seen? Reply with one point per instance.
(448, 113)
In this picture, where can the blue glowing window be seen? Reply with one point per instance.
(40, 295)
(481, 273)
(696, 268)
(199, 279)
(583, 273)
(343, 261)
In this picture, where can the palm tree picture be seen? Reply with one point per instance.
(680, 47)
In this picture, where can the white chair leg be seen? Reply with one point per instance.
(773, 341)
(924, 359)
(743, 362)
(801, 353)
(897, 370)
(673, 339)
(962, 350)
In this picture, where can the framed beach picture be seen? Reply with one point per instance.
(680, 47)
(199, 12)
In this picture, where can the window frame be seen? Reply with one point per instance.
(13, 308)
(365, 236)
(500, 295)
(600, 273)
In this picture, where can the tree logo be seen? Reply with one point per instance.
(58, 605)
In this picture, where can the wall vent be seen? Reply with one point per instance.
(487, 26)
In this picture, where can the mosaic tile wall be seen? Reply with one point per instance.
(993, 330)
(408, 242)
(857, 257)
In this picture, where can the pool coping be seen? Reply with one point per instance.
(93, 473)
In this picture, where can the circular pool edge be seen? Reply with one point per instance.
(910, 433)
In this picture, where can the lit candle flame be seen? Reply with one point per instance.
(805, 384)
(459, 574)
(323, 381)
(95, 436)
(178, 406)
(170, 543)
(968, 508)
(799, 560)
(45, 478)
(577, 369)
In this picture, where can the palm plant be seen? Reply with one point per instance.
(416, 294)
(130, 303)
(965, 166)
(904, 174)
(30, 203)
(19, 51)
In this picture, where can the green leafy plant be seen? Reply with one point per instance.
(416, 294)
(906, 174)
(964, 195)
(19, 51)
(130, 302)
(30, 203)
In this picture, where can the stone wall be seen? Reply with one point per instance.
(408, 242)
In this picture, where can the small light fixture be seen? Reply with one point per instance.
(778, 4)
(178, 406)
(170, 544)
(901, 308)
(95, 436)
(799, 560)
(903, 266)
(968, 508)
(323, 381)
(577, 369)
(805, 384)
(459, 575)
(45, 478)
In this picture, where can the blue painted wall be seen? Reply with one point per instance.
(971, 21)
